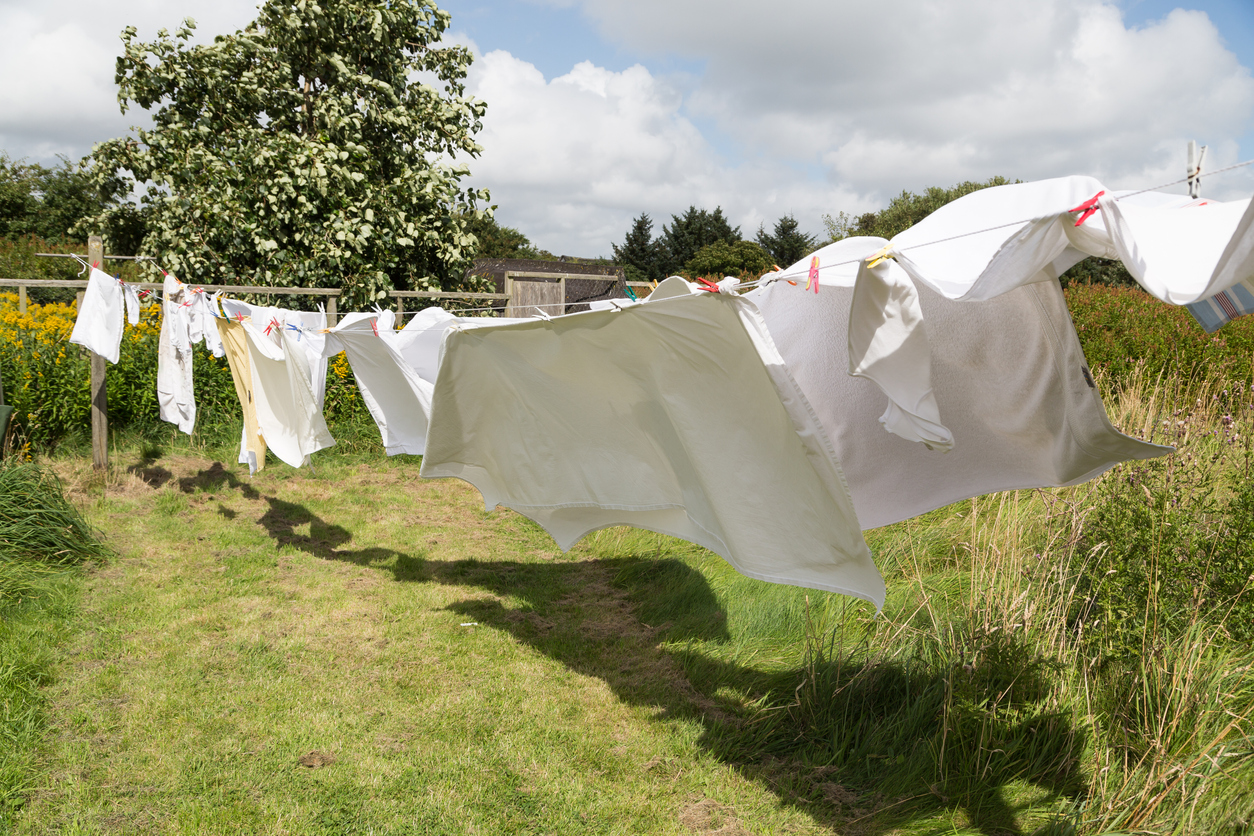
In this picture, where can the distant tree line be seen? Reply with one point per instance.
(704, 243)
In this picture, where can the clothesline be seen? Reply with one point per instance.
(773, 277)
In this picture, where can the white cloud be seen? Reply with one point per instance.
(908, 93)
(572, 160)
(57, 59)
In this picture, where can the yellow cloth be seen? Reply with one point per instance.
(235, 341)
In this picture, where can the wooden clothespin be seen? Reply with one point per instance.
(1194, 170)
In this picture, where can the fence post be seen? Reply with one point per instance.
(21, 299)
(331, 311)
(99, 392)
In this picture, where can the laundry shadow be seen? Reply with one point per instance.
(860, 744)
(855, 743)
(217, 477)
(324, 540)
(154, 476)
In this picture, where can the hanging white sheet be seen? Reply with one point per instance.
(677, 415)
(288, 417)
(176, 395)
(1009, 378)
(399, 400)
(993, 241)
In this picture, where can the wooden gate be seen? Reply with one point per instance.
(531, 294)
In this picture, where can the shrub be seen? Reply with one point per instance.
(1122, 328)
(1169, 542)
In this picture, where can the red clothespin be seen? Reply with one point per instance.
(274, 323)
(1088, 208)
(813, 280)
(708, 285)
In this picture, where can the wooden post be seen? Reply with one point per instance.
(21, 299)
(331, 311)
(99, 392)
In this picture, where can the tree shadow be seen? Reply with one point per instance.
(861, 744)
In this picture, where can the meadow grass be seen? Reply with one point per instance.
(357, 650)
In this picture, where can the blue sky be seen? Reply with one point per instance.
(599, 110)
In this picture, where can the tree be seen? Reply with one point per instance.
(723, 259)
(903, 211)
(305, 149)
(689, 232)
(788, 244)
(49, 203)
(496, 241)
(640, 255)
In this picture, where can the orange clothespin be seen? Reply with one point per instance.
(1087, 208)
(813, 279)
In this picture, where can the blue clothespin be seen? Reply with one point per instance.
(631, 294)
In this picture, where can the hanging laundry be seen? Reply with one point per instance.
(106, 302)
(993, 241)
(307, 328)
(202, 311)
(235, 346)
(288, 418)
(1008, 375)
(675, 415)
(398, 398)
(176, 396)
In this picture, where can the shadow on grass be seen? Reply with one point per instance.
(863, 744)
(145, 468)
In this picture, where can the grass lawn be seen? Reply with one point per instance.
(357, 650)
(363, 651)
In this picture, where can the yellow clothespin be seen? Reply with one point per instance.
(876, 257)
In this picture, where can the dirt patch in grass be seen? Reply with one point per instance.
(707, 817)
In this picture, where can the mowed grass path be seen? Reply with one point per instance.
(294, 653)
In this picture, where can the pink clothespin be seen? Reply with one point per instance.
(374, 326)
(239, 316)
(1088, 208)
(813, 280)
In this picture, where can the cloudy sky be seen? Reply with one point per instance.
(599, 110)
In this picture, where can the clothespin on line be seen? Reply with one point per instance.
(1194, 170)
(813, 278)
(874, 259)
(1088, 208)
(708, 285)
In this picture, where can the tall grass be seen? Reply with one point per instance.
(42, 539)
(1076, 660)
